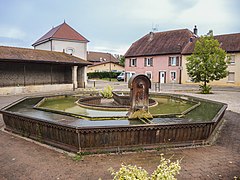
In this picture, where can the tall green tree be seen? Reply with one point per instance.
(121, 59)
(207, 63)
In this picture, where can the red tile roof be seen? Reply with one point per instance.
(33, 55)
(229, 42)
(63, 32)
(101, 63)
(100, 57)
(159, 43)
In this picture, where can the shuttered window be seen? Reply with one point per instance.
(132, 62)
(173, 61)
(148, 62)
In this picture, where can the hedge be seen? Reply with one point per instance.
(100, 75)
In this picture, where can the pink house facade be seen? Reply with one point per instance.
(158, 55)
(163, 69)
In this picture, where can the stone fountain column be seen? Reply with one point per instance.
(139, 97)
(74, 77)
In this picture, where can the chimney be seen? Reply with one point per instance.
(151, 36)
(195, 30)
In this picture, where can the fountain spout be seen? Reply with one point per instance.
(139, 97)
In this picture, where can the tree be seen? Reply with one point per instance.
(207, 63)
(121, 59)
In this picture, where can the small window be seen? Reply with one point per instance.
(173, 75)
(148, 62)
(133, 62)
(231, 76)
(70, 51)
(232, 59)
(173, 61)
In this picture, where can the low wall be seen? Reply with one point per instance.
(97, 139)
(35, 88)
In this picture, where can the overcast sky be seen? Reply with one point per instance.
(113, 25)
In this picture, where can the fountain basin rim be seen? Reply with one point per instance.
(80, 139)
(58, 123)
(216, 117)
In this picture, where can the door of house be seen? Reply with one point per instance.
(162, 77)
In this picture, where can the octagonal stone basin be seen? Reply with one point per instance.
(97, 108)
(179, 120)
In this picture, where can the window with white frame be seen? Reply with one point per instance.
(232, 59)
(70, 51)
(133, 62)
(231, 76)
(173, 75)
(148, 61)
(149, 74)
(173, 61)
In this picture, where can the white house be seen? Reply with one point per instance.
(63, 38)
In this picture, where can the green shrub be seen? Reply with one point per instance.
(166, 170)
(129, 172)
(107, 92)
(101, 75)
(205, 89)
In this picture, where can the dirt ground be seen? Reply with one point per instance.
(25, 159)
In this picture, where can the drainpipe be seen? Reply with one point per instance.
(180, 64)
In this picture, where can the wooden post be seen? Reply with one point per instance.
(24, 75)
(51, 72)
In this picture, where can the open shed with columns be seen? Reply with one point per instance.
(28, 70)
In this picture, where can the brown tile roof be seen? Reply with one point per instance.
(100, 57)
(159, 43)
(33, 55)
(101, 63)
(229, 42)
(63, 32)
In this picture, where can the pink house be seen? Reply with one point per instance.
(158, 55)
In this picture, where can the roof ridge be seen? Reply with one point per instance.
(172, 30)
(62, 31)
(75, 30)
(58, 27)
(99, 52)
(226, 34)
(39, 50)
